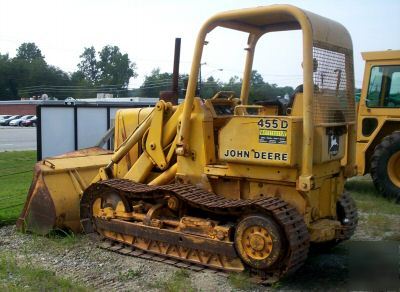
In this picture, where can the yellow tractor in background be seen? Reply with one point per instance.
(219, 183)
(378, 134)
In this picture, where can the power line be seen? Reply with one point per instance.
(113, 89)
(95, 89)
(98, 86)
(92, 90)
(68, 86)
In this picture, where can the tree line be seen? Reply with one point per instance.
(107, 71)
(28, 74)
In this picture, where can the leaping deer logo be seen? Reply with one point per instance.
(334, 145)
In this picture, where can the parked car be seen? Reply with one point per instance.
(3, 117)
(69, 101)
(18, 122)
(31, 122)
(6, 122)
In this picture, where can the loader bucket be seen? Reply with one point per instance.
(58, 184)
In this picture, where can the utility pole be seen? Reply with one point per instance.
(173, 95)
(201, 64)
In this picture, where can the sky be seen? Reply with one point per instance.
(146, 31)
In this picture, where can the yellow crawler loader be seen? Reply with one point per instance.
(219, 183)
(378, 134)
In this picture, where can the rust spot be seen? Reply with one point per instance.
(38, 214)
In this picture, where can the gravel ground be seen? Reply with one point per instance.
(81, 261)
(78, 259)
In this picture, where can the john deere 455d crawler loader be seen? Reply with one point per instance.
(217, 182)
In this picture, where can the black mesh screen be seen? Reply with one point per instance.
(333, 84)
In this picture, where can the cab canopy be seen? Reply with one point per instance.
(328, 76)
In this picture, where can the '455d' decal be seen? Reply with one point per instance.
(272, 131)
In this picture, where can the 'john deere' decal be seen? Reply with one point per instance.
(262, 155)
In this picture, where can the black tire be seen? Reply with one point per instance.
(389, 146)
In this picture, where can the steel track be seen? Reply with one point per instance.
(351, 216)
(127, 250)
(290, 221)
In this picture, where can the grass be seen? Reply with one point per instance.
(130, 274)
(177, 282)
(240, 281)
(379, 217)
(66, 238)
(26, 277)
(55, 241)
(61, 239)
(16, 172)
(368, 199)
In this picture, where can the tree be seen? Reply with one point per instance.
(115, 67)
(157, 81)
(110, 72)
(259, 89)
(8, 88)
(81, 85)
(89, 66)
(29, 52)
(256, 79)
(234, 84)
(29, 75)
(210, 87)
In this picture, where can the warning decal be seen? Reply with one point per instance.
(272, 136)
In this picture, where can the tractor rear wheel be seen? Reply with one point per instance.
(385, 167)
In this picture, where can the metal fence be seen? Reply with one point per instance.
(78, 126)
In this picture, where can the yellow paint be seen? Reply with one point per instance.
(257, 243)
(388, 119)
(393, 169)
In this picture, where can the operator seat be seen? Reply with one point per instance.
(273, 102)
